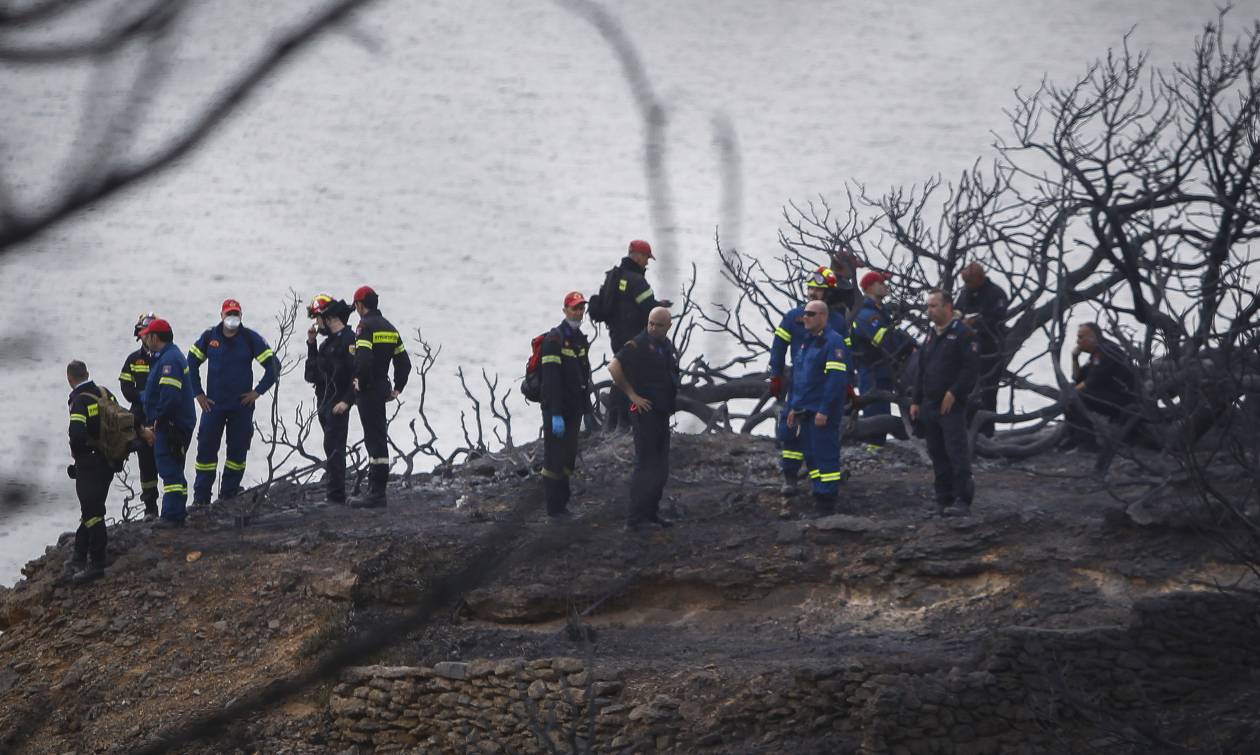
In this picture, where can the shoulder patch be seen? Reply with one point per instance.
(214, 343)
(166, 369)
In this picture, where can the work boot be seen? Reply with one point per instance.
(559, 517)
(73, 565)
(368, 501)
(662, 523)
(824, 505)
(958, 508)
(91, 571)
(789, 488)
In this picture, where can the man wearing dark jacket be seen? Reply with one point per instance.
(134, 375)
(377, 345)
(948, 365)
(634, 300)
(92, 474)
(330, 368)
(1107, 384)
(565, 369)
(646, 369)
(982, 306)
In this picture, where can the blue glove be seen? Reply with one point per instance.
(557, 426)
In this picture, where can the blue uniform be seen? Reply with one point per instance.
(168, 405)
(788, 337)
(230, 375)
(820, 382)
(875, 343)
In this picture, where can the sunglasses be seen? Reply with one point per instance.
(818, 278)
(811, 314)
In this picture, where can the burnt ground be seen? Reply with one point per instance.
(191, 621)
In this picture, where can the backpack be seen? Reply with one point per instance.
(603, 306)
(117, 429)
(531, 386)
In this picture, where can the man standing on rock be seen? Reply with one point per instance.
(169, 410)
(949, 363)
(876, 347)
(132, 379)
(820, 382)
(982, 306)
(646, 370)
(330, 368)
(633, 300)
(92, 474)
(789, 337)
(378, 345)
(566, 388)
(231, 349)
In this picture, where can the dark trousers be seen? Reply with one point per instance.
(239, 423)
(92, 478)
(822, 453)
(618, 410)
(875, 379)
(148, 477)
(371, 406)
(559, 460)
(986, 393)
(1081, 428)
(170, 448)
(651, 465)
(336, 427)
(946, 436)
(791, 452)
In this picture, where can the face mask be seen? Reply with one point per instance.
(232, 322)
(575, 324)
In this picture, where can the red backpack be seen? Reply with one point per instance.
(531, 386)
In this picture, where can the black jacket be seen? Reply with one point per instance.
(135, 373)
(378, 344)
(85, 423)
(566, 372)
(652, 368)
(948, 362)
(330, 368)
(635, 300)
(989, 302)
(1109, 376)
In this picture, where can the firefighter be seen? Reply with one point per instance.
(633, 302)
(788, 337)
(377, 344)
(949, 365)
(982, 306)
(820, 381)
(135, 373)
(646, 370)
(566, 389)
(330, 368)
(171, 416)
(230, 348)
(92, 474)
(876, 347)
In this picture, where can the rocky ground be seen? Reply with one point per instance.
(465, 568)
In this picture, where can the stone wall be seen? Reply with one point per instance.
(1032, 691)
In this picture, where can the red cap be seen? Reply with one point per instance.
(362, 292)
(230, 305)
(574, 298)
(157, 325)
(872, 277)
(642, 247)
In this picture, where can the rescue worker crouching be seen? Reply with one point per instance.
(231, 349)
(377, 345)
(566, 389)
(820, 381)
(330, 369)
(788, 338)
(132, 379)
(171, 416)
(92, 474)
(949, 367)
